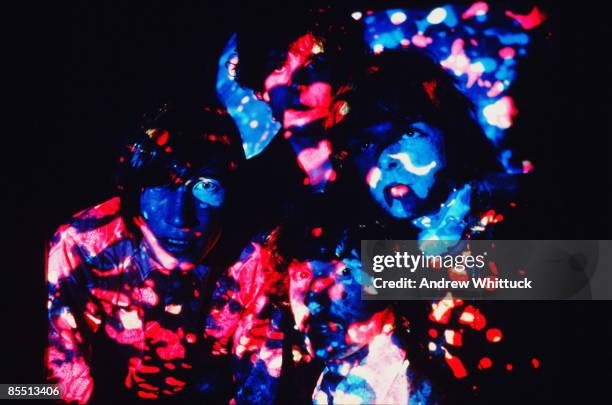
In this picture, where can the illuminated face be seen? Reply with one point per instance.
(399, 163)
(326, 304)
(182, 221)
(299, 90)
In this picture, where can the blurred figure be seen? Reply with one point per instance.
(362, 344)
(299, 65)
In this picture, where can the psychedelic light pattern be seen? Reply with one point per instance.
(480, 43)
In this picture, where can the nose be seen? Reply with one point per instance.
(387, 162)
(180, 208)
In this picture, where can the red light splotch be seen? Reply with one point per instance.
(485, 363)
(528, 21)
(476, 9)
(473, 317)
(455, 364)
(494, 335)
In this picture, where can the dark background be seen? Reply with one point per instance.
(84, 73)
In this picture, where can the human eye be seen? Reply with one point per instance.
(209, 191)
(412, 133)
(344, 273)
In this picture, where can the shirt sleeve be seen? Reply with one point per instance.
(246, 319)
(67, 354)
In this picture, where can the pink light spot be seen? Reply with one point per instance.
(373, 177)
(527, 166)
(507, 53)
(478, 8)
(173, 309)
(501, 113)
(496, 89)
(421, 41)
(400, 190)
(336, 292)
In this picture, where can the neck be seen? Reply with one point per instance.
(312, 153)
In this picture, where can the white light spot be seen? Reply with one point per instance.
(356, 15)
(436, 16)
(398, 17)
(253, 124)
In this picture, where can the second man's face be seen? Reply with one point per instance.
(299, 88)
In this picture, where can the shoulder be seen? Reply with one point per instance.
(86, 234)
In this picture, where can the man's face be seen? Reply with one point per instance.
(299, 88)
(183, 220)
(399, 163)
(326, 303)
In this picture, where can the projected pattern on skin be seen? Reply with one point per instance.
(145, 297)
(479, 43)
(405, 170)
(301, 99)
(363, 362)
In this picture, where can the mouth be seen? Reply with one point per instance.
(395, 191)
(177, 244)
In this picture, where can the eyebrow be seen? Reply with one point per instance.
(379, 128)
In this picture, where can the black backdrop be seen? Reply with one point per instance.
(85, 72)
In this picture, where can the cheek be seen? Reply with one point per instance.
(316, 95)
(209, 221)
(423, 184)
(276, 79)
(152, 205)
(336, 292)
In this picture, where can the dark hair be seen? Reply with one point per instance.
(262, 39)
(170, 143)
(403, 86)
(406, 85)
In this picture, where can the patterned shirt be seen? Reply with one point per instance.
(110, 300)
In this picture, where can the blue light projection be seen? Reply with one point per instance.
(252, 116)
(478, 43)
